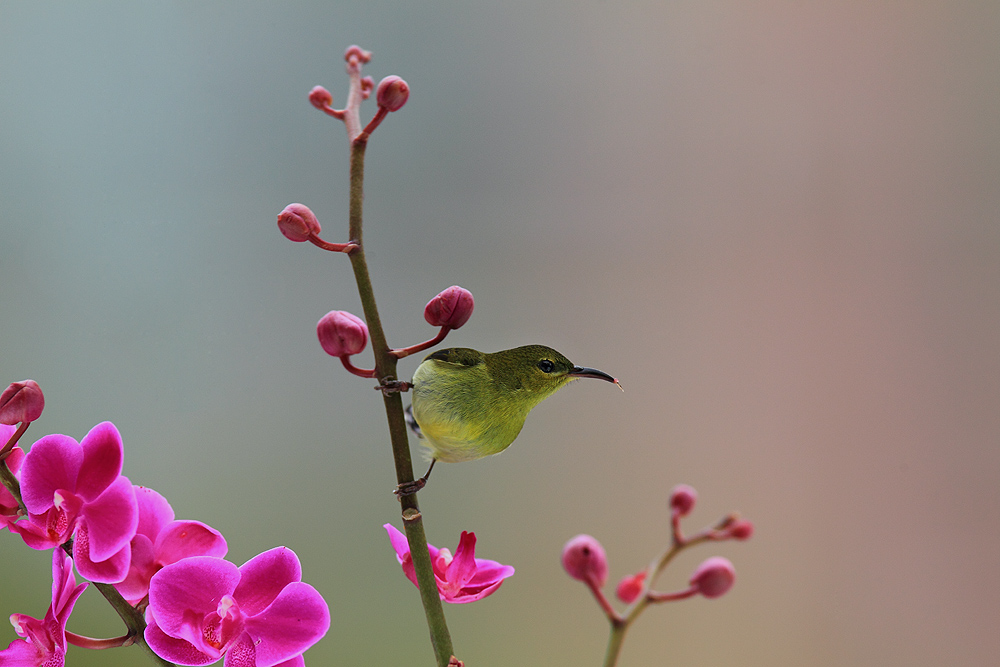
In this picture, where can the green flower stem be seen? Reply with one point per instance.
(11, 482)
(620, 625)
(385, 368)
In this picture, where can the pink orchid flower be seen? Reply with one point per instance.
(160, 541)
(44, 641)
(258, 615)
(460, 578)
(76, 490)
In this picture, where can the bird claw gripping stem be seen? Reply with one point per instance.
(391, 385)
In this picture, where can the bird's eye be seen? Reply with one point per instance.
(546, 366)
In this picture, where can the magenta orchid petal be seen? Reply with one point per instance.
(45, 643)
(461, 579)
(108, 571)
(112, 519)
(141, 569)
(203, 604)
(181, 539)
(102, 460)
(243, 653)
(24, 653)
(489, 570)
(398, 541)
(472, 594)
(297, 619)
(154, 512)
(35, 534)
(264, 576)
(175, 650)
(463, 566)
(183, 593)
(53, 464)
(297, 661)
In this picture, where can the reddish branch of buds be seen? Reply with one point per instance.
(391, 95)
(584, 559)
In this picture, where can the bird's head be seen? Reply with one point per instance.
(538, 370)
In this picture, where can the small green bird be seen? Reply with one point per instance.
(469, 404)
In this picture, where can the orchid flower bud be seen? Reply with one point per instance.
(451, 308)
(392, 93)
(714, 577)
(630, 587)
(584, 559)
(740, 530)
(682, 499)
(341, 334)
(321, 98)
(367, 86)
(355, 51)
(297, 223)
(21, 402)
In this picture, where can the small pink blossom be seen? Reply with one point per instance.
(298, 223)
(460, 578)
(392, 93)
(714, 577)
(682, 499)
(341, 333)
(584, 559)
(44, 643)
(321, 98)
(21, 402)
(160, 540)
(76, 490)
(451, 308)
(259, 614)
(629, 588)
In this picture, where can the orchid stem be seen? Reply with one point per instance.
(385, 369)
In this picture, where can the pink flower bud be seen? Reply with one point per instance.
(714, 577)
(583, 558)
(392, 93)
(451, 308)
(341, 334)
(682, 499)
(630, 587)
(21, 402)
(297, 223)
(320, 98)
(740, 530)
(367, 86)
(357, 52)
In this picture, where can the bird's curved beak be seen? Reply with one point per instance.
(584, 372)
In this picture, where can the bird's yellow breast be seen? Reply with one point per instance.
(463, 414)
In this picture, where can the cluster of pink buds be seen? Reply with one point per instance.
(392, 93)
(584, 559)
(343, 335)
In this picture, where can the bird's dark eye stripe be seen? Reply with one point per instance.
(546, 366)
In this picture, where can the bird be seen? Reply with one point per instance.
(468, 404)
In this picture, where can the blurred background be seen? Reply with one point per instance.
(777, 223)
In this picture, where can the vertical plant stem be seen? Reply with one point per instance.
(615, 643)
(385, 368)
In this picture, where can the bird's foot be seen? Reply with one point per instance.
(409, 488)
(391, 385)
